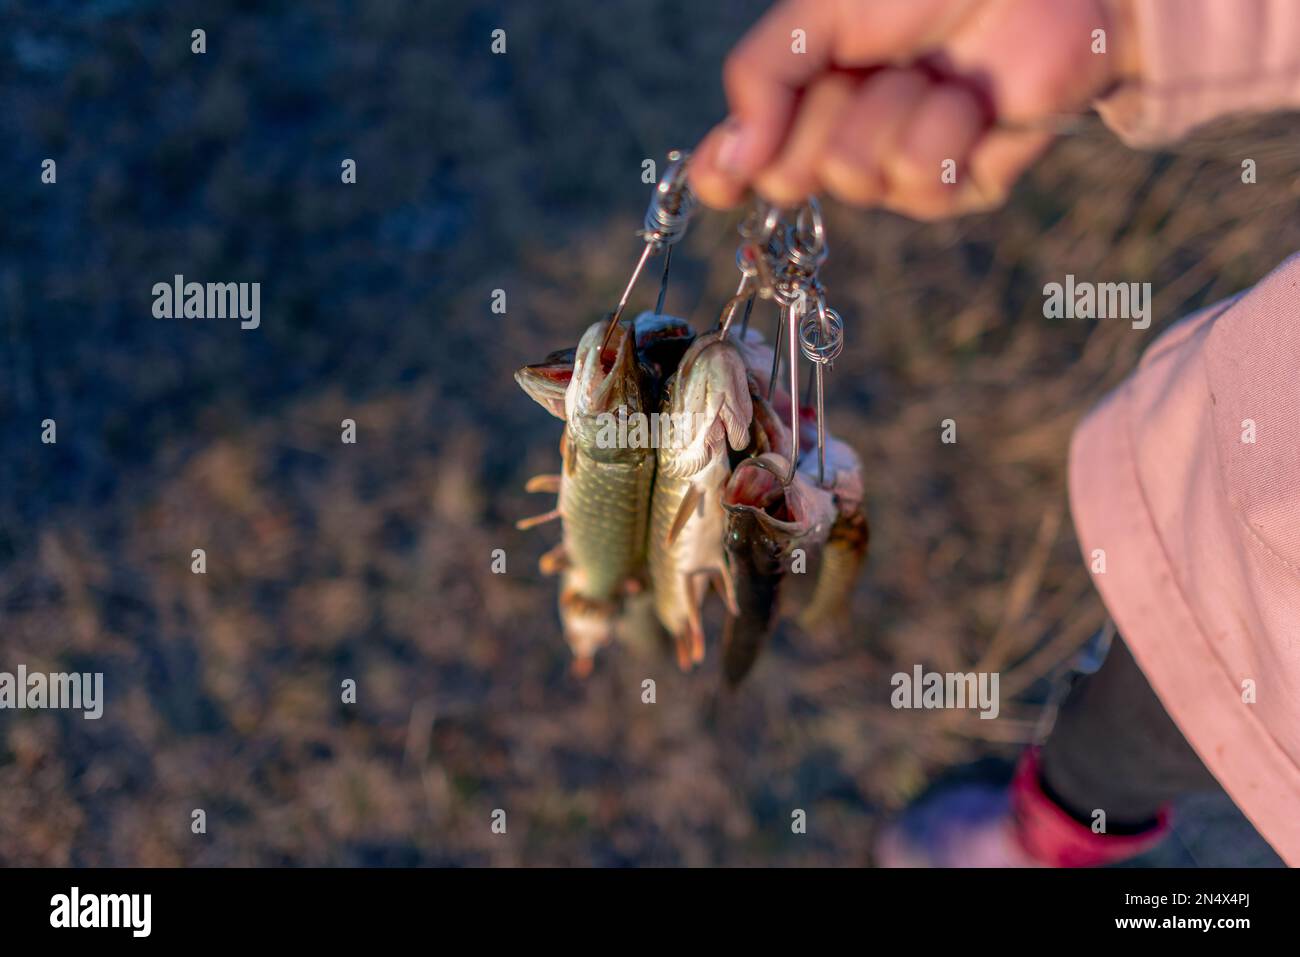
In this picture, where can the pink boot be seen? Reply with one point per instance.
(981, 826)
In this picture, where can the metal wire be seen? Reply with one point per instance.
(671, 206)
(821, 339)
(666, 219)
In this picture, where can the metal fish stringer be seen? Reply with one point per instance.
(661, 523)
(666, 219)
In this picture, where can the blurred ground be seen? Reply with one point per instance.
(328, 561)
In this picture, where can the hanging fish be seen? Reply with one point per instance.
(820, 598)
(604, 485)
(661, 342)
(766, 521)
(706, 411)
(604, 492)
(840, 561)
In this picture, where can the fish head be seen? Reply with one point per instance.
(843, 473)
(757, 353)
(758, 523)
(710, 407)
(547, 381)
(661, 341)
(770, 432)
(767, 516)
(607, 382)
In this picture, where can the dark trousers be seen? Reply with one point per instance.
(1114, 748)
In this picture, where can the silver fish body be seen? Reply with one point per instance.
(709, 408)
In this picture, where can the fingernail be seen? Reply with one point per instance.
(731, 148)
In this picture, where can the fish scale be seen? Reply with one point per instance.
(672, 597)
(608, 544)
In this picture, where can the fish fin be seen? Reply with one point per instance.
(695, 627)
(567, 454)
(543, 483)
(694, 496)
(554, 561)
(533, 521)
(722, 582)
(689, 641)
(682, 644)
(737, 408)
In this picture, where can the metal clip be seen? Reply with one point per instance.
(666, 219)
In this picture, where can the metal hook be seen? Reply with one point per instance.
(729, 310)
(663, 282)
(821, 338)
(760, 247)
(792, 326)
(666, 219)
(809, 220)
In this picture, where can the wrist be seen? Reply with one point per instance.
(1124, 43)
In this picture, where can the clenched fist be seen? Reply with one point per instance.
(874, 101)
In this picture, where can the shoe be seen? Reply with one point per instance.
(1020, 826)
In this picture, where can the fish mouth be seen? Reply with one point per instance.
(605, 378)
(785, 510)
(662, 340)
(661, 343)
(711, 392)
(756, 487)
(547, 381)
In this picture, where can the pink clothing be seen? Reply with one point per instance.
(1203, 59)
(1200, 529)
(1187, 476)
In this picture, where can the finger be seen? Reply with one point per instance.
(709, 181)
(1026, 79)
(792, 175)
(851, 168)
(996, 162)
(793, 43)
(925, 169)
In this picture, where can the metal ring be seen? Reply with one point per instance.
(745, 262)
(788, 291)
(810, 214)
(671, 206)
(752, 231)
(821, 334)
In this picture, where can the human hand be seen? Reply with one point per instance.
(891, 94)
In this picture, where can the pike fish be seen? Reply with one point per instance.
(708, 411)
